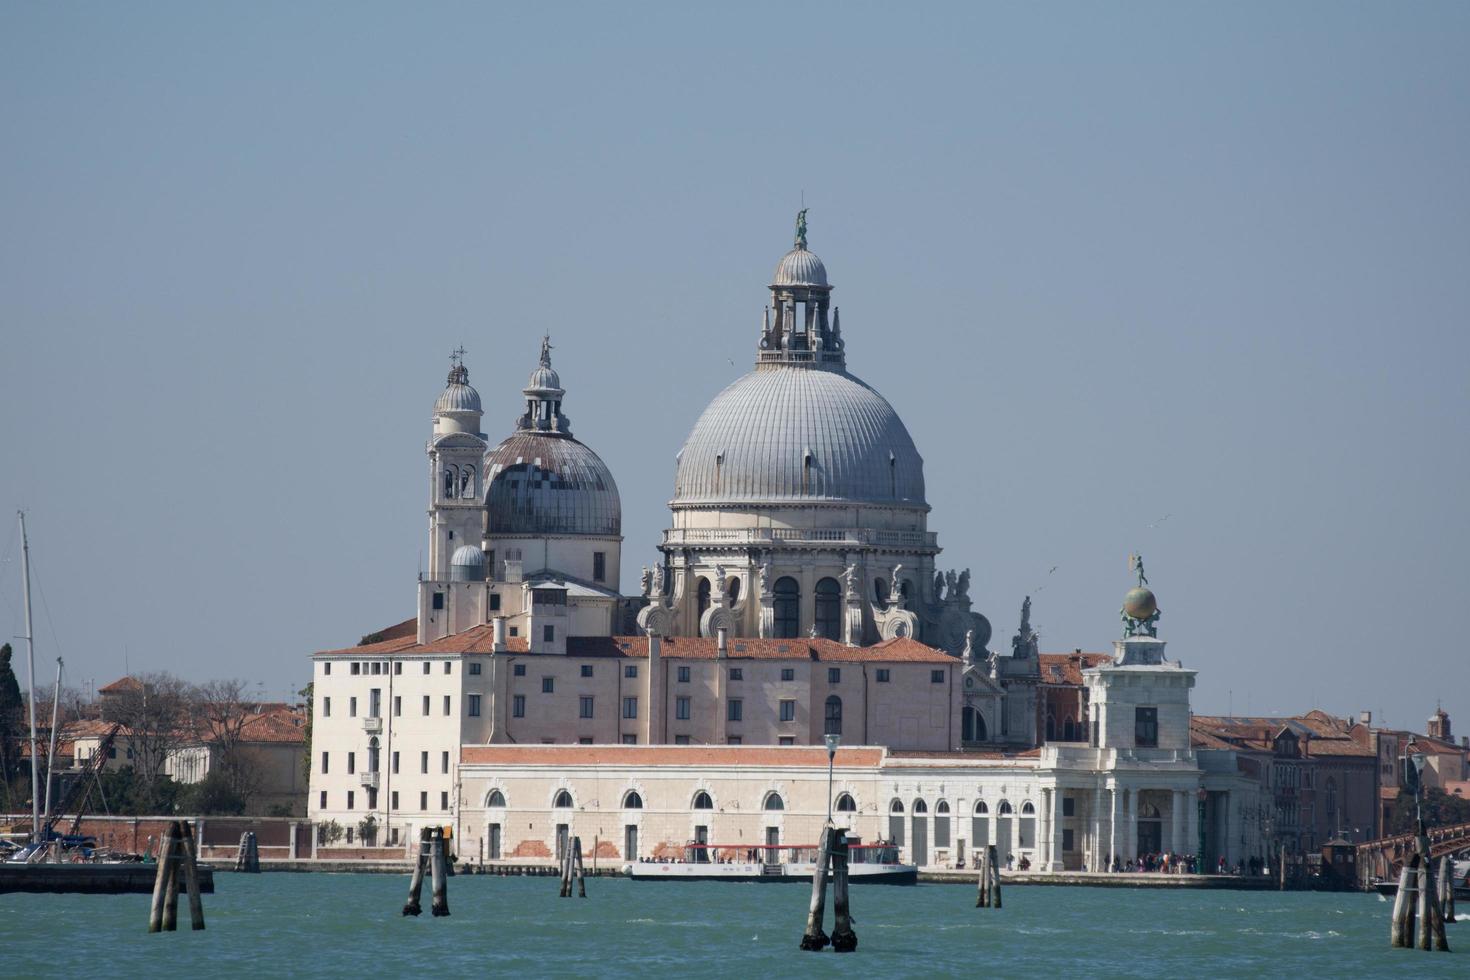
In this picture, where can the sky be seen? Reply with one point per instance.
(1176, 278)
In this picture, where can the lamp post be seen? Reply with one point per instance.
(832, 742)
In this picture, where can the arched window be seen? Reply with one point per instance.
(942, 806)
(980, 807)
(972, 725)
(703, 601)
(702, 801)
(1069, 730)
(903, 592)
(1027, 809)
(632, 801)
(827, 614)
(774, 802)
(846, 804)
(1148, 811)
(496, 798)
(833, 723)
(880, 591)
(787, 608)
(1051, 725)
(449, 482)
(732, 590)
(896, 806)
(920, 807)
(1332, 802)
(467, 481)
(373, 754)
(563, 799)
(1004, 809)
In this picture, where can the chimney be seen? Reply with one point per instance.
(721, 650)
(497, 635)
(1365, 717)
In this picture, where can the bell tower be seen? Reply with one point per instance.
(456, 481)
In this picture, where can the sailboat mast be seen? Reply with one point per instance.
(51, 752)
(25, 567)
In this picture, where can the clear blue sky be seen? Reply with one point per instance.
(1109, 262)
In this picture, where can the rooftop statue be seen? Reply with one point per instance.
(546, 351)
(1023, 644)
(1140, 612)
(801, 228)
(849, 582)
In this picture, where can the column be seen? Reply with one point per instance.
(1096, 862)
(1112, 825)
(1130, 824)
(1191, 825)
(1042, 837)
(1058, 854)
(1176, 823)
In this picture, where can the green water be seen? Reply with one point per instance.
(350, 926)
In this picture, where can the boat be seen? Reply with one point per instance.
(866, 863)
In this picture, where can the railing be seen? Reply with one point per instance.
(372, 725)
(801, 535)
(370, 780)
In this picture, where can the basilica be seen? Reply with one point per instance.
(797, 596)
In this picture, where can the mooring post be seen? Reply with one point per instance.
(254, 854)
(844, 940)
(441, 883)
(1398, 937)
(191, 878)
(581, 870)
(160, 882)
(242, 851)
(1282, 885)
(171, 887)
(1426, 915)
(416, 883)
(993, 859)
(982, 878)
(814, 938)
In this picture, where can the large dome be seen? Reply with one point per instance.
(549, 484)
(784, 433)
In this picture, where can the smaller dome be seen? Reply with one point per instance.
(467, 564)
(799, 267)
(458, 396)
(1140, 603)
(544, 379)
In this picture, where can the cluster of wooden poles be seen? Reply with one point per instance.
(175, 852)
(571, 867)
(1424, 898)
(432, 860)
(989, 887)
(832, 856)
(247, 858)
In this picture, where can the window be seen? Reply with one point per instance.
(787, 608)
(495, 602)
(920, 807)
(586, 670)
(326, 668)
(427, 666)
(832, 724)
(834, 675)
(1067, 839)
(393, 800)
(474, 670)
(630, 671)
(424, 762)
(448, 667)
(444, 762)
(356, 667)
(324, 762)
(1146, 727)
(681, 709)
(585, 710)
(632, 801)
(702, 598)
(630, 707)
(788, 673)
(1069, 807)
(972, 725)
(351, 763)
(737, 674)
(883, 675)
(326, 707)
(395, 762)
(846, 804)
(323, 801)
(438, 602)
(936, 676)
(788, 710)
(426, 705)
(496, 798)
(734, 710)
(398, 667)
(599, 566)
(786, 740)
(518, 706)
(515, 631)
(630, 739)
(732, 740)
(548, 684)
(774, 802)
(377, 667)
(548, 634)
(683, 675)
(447, 710)
(352, 707)
(349, 799)
(896, 806)
(563, 800)
(424, 800)
(827, 609)
(444, 800)
(349, 829)
(702, 801)
(519, 670)
(678, 740)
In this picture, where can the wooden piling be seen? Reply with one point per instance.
(171, 886)
(1401, 931)
(440, 873)
(992, 859)
(580, 870)
(1426, 917)
(416, 883)
(565, 886)
(1447, 888)
(1282, 885)
(191, 878)
(160, 883)
(814, 939)
(982, 880)
(844, 940)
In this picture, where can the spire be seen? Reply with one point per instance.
(458, 373)
(543, 397)
(802, 334)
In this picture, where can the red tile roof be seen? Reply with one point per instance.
(121, 684)
(667, 755)
(1067, 668)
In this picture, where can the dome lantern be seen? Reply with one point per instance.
(801, 332)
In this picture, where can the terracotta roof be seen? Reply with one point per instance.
(1067, 668)
(121, 684)
(274, 726)
(480, 639)
(1320, 733)
(667, 755)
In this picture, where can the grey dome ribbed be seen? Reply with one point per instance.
(752, 443)
(467, 555)
(799, 267)
(543, 483)
(457, 398)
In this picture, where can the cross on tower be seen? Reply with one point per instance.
(456, 355)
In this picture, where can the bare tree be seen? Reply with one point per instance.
(154, 714)
(221, 713)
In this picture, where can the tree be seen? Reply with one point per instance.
(1440, 809)
(12, 726)
(219, 715)
(155, 719)
(306, 694)
(212, 796)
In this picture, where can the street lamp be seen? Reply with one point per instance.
(832, 743)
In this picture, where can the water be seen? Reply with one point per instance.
(349, 926)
